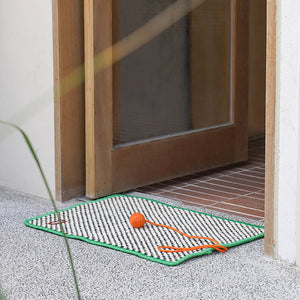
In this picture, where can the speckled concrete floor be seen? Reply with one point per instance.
(34, 265)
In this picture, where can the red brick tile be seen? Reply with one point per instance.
(212, 190)
(257, 196)
(256, 162)
(254, 173)
(232, 183)
(260, 168)
(220, 187)
(239, 209)
(261, 192)
(244, 182)
(247, 202)
(187, 198)
(249, 165)
(248, 178)
(232, 212)
(199, 194)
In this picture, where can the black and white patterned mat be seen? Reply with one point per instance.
(105, 222)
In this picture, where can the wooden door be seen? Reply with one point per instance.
(218, 89)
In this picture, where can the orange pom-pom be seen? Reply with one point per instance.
(137, 220)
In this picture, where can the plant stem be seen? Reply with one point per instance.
(52, 200)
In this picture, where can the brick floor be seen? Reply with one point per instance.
(237, 189)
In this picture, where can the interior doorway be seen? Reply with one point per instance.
(238, 189)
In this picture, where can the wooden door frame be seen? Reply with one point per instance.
(69, 113)
(69, 95)
(270, 126)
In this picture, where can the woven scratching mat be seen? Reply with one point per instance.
(105, 222)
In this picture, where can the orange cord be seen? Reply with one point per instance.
(216, 246)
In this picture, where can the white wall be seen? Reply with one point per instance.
(287, 149)
(26, 93)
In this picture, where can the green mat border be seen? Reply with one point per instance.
(158, 260)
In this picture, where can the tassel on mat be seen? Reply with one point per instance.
(137, 220)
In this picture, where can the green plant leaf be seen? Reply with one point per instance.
(1, 295)
(29, 144)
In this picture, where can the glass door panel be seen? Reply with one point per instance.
(180, 80)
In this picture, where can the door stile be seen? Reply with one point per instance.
(99, 96)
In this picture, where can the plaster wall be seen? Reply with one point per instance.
(26, 97)
(287, 148)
